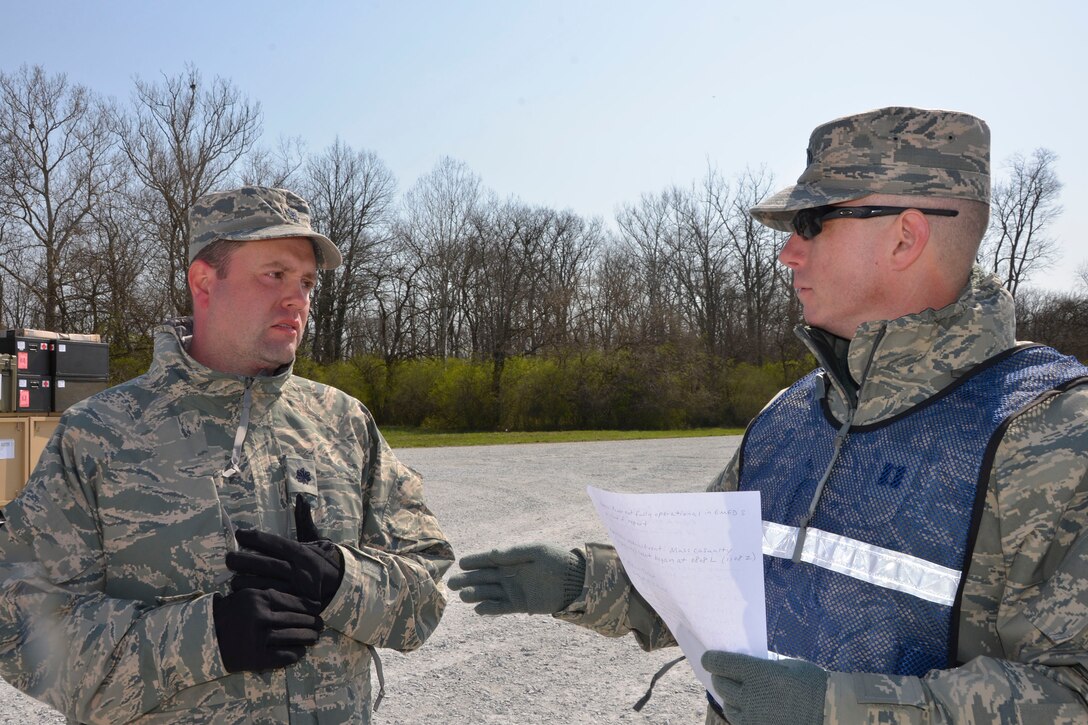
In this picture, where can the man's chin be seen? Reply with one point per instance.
(276, 359)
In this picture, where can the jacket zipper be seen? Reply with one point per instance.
(233, 469)
(842, 434)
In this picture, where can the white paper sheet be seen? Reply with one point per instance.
(697, 559)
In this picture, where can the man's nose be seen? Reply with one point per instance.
(793, 251)
(298, 295)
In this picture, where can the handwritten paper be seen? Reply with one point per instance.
(697, 559)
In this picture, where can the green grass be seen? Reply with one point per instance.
(401, 437)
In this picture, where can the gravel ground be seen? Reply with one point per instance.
(521, 668)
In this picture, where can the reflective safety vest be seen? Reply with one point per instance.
(875, 582)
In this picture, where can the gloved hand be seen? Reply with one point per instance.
(305, 531)
(535, 578)
(262, 629)
(310, 568)
(766, 692)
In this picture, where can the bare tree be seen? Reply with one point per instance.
(183, 140)
(759, 282)
(278, 167)
(54, 164)
(616, 320)
(5, 224)
(1059, 319)
(1022, 209)
(125, 293)
(351, 195)
(396, 330)
(560, 304)
(649, 228)
(700, 259)
(437, 229)
(506, 260)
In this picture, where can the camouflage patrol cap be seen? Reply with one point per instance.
(254, 213)
(895, 150)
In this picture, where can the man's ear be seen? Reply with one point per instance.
(201, 275)
(913, 230)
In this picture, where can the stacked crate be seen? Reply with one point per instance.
(41, 374)
(51, 370)
(27, 372)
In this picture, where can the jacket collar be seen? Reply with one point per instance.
(896, 364)
(172, 361)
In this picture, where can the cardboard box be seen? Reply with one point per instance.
(49, 335)
(40, 430)
(14, 456)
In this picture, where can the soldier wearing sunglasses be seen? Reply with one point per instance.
(924, 491)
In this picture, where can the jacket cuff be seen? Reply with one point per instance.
(870, 697)
(360, 574)
(216, 668)
(601, 605)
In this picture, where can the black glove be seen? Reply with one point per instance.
(262, 629)
(765, 692)
(536, 578)
(311, 568)
(305, 531)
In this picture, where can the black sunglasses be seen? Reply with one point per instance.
(807, 223)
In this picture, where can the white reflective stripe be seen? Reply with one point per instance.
(873, 564)
(779, 540)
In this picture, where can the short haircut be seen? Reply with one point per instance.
(217, 255)
(960, 236)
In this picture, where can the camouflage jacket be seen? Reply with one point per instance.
(1023, 620)
(114, 549)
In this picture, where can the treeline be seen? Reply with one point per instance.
(454, 307)
(641, 389)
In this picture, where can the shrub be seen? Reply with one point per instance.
(408, 391)
(536, 395)
(463, 398)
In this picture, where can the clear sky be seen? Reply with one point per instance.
(586, 104)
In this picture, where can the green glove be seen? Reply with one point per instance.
(765, 692)
(534, 578)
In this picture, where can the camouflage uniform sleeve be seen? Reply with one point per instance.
(609, 605)
(392, 595)
(1024, 627)
(62, 640)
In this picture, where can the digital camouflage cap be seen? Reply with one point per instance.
(895, 150)
(255, 213)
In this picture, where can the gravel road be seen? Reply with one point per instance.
(521, 668)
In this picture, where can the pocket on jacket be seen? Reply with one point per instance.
(206, 699)
(333, 494)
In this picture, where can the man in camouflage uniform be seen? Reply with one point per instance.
(219, 540)
(924, 493)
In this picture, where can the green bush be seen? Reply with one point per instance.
(463, 398)
(672, 386)
(536, 395)
(751, 387)
(126, 367)
(408, 396)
